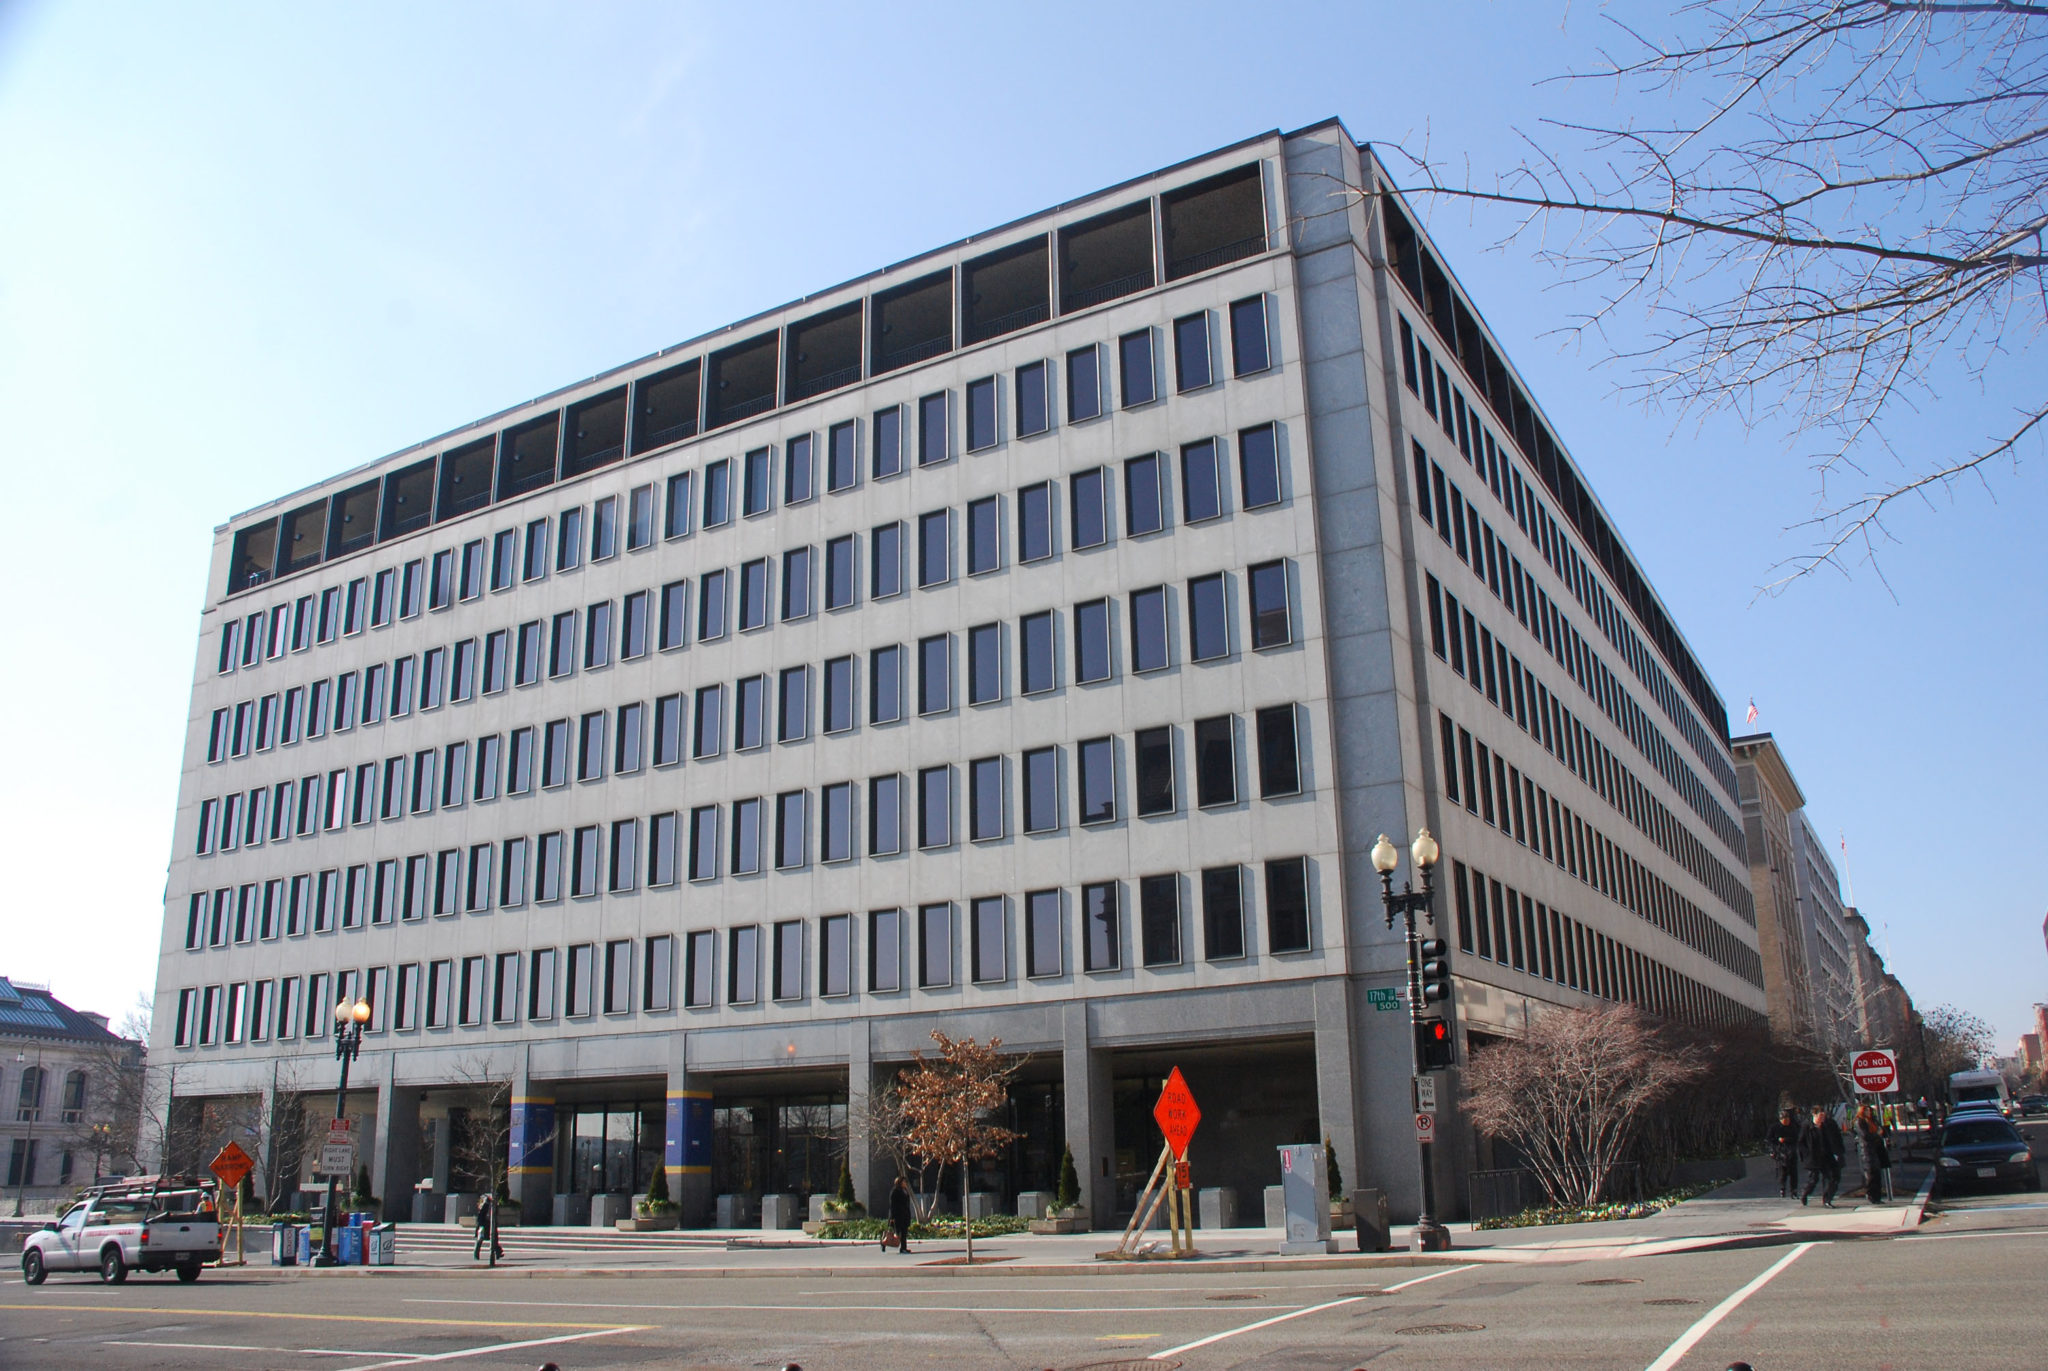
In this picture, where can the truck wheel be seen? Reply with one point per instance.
(113, 1271)
(32, 1267)
(188, 1272)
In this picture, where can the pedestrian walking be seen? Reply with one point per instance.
(1820, 1148)
(899, 1218)
(1783, 1141)
(1876, 1155)
(487, 1228)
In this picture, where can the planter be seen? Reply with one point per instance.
(813, 1227)
(1340, 1213)
(1057, 1225)
(837, 1213)
(654, 1223)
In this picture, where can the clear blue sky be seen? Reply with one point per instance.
(243, 248)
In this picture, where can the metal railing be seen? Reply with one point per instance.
(889, 360)
(1072, 300)
(744, 409)
(819, 384)
(980, 330)
(1214, 257)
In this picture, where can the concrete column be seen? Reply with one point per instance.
(860, 1141)
(395, 1150)
(1091, 1123)
(1337, 1077)
(530, 1151)
(687, 1153)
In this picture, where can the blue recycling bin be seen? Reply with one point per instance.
(305, 1245)
(348, 1245)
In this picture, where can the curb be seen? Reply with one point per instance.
(1218, 1266)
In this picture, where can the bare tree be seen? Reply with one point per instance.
(949, 1105)
(1572, 1092)
(1835, 203)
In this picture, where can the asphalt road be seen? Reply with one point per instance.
(1964, 1291)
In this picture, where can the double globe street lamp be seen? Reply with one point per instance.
(349, 1021)
(1431, 983)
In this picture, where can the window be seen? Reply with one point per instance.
(1201, 482)
(1191, 369)
(470, 1011)
(1084, 384)
(540, 986)
(982, 428)
(838, 695)
(885, 815)
(569, 539)
(1208, 619)
(1279, 753)
(618, 976)
(934, 548)
(675, 603)
(791, 825)
(1159, 918)
(1144, 496)
(935, 807)
(1092, 657)
(1088, 506)
(1223, 913)
(753, 594)
(1153, 751)
(519, 766)
(756, 483)
(711, 606)
(798, 470)
(662, 849)
(931, 429)
(934, 945)
(505, 988)
(497, 654)
(885, 950)
(556, 755)
(676, 506)
(935, 674)
(562, 645)
(1287, 905)
(411, 584)
(487, 765)
(789, 960)
(477, 894)
(1134, 369)
(885, 685)
(1248, 351)
(888, 434)
(704, 843)
(462, 671)
(835, 823)
(1102, 943)
(746, 837)
(512, 874)
(796, 583)
(1266, 587)
(885, 561)
(504, 559)
(1034, 407)
(625, 866)
(984, 536)
(1036, 647)
(604, 523)
(536, 560)
(1216, 761)
(839, 572)
(718, 493)
(985, 799)
(743, 965)
(984, 664)
(1148, 630)
(547, 868)
(1034, 522)
(835, 955)
(1097, 757)
(590, 747)
(842, 465)
(587, 863)
(657, 991)
(440, 980)
(698, 969)
(633, 626)
(794, 712)
(989, 940)
(668, 730)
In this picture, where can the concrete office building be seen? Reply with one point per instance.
(1028, 640)
(1826, 931)
(1771, 801)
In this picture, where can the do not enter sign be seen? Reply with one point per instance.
(1875, 1070)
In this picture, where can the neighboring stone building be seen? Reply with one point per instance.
(1028, 640)
(1883, 1008)
(1770, 799)
(68, 1097)
(1823, 925)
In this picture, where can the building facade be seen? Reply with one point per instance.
(1029, 640)
(1826, 932)
(1771, 800)
(68, 1097)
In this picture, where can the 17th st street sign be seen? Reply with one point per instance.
(1875, 1070)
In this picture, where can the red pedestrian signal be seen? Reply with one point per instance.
(1433, 1044)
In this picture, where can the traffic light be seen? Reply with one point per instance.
(1433, 1044)
(1434, 970)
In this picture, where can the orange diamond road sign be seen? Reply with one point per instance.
(232, 1166)
(1177, 1114)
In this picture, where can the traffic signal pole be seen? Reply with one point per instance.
(1430, 1235)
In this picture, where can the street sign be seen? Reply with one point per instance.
(232, 1166)
(1425, 1128)
(1385, 997)
(1176, 1113)
(338, 1159)
(1425, 1094)
(1183, 1176)
(1875, 1070)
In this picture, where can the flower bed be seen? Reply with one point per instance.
(871, 1230)
(1599, 1213)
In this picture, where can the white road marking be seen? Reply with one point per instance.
(243, 1347)
(858, 1308)
(1675, 1353)
(417, 1359)
(1312, 1309)
(1958, 1237)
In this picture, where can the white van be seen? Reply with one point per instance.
(1979, 1088)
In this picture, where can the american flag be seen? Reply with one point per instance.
(1750, 718)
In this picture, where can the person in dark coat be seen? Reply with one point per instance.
(1877, 1159)
(1820, 1148)
(1783, 1141)
(899, 1216)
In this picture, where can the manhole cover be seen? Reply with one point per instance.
(1614, 1280)
(1671, 1301)
(1424, 1329)
(1232, 1297)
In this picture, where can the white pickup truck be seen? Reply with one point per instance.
(150, 1226)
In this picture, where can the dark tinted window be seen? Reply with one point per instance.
(841, 470)
(1144, 496)
(931, 429)
(718, 494)
(1148, 630)
(1134, 368)
(1035, 636)
(1091, 641)
(1287, 905)
(1034, 522)
(1258, 465)
(984, 664)
(1216, 761)
(885, 685)
(885, 557)
(934, 675)
(1042, 790)
(1152, 751)
(1191, 368)
(1201, 482)
(888, 432)
(352, 523)
(1248, 350)
(1100, 948)
(840, 572)
(1208, 619)
(981, 414)
(757, 483)
(1159, 914)
(984, 536)
(1266, 587)
(934, 564)
(1084, 384)
(1042, 934)
(799, 472)
(985, 798)
(1090, 512)
(1222, 913)
(1279, 755)
(1215, 221)
(1097, 760)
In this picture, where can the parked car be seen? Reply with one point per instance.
(147, 1226)
(1980, 1148)
(2031, 1105)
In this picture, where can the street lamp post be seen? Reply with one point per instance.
(1430, 1236)
(35, 1112)
(348, 1042)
